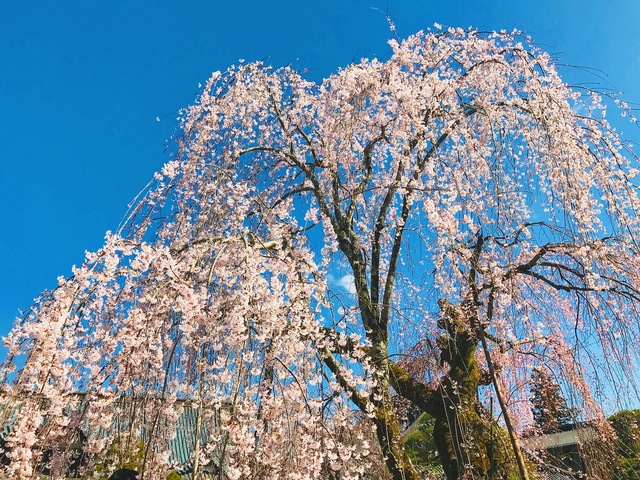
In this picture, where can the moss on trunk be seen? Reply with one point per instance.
(469, 442)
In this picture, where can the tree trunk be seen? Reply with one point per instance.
(469, 442)
(390, 439)
(386, 418)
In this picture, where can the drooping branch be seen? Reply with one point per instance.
(515, 444)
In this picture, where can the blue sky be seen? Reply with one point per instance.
(82, 84)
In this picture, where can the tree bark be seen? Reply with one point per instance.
(470, 444)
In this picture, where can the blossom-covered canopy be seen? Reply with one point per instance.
(459, 189)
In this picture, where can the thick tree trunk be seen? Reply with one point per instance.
(458, 424)
(386, 419)
(469, 442)
(391, 442)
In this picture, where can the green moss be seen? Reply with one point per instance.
(174, 476)
(419, 444)
(119, 454)
(123, 455)
(470, 443)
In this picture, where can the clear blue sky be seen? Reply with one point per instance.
(82, 83)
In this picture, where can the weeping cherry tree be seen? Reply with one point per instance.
(435, 226)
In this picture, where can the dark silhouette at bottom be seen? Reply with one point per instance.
(124, 474)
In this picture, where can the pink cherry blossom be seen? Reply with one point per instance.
(459, 179)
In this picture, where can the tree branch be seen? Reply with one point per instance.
(354, 395)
